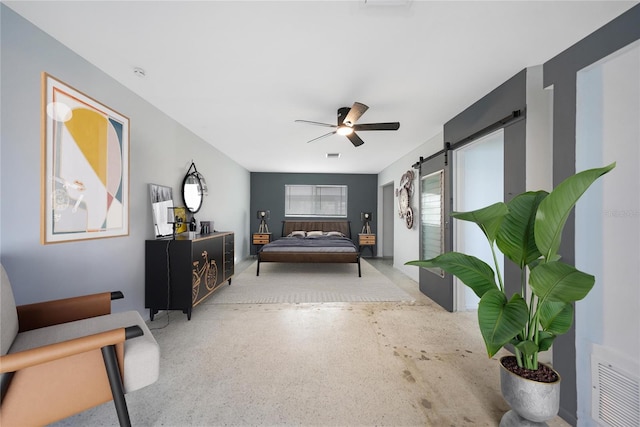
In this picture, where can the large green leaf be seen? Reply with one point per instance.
(473, 272)
(556, 317)
(560, 282)
(488, 218)
(500, 320)
(555, 208)
(545, 340)
(515, 236)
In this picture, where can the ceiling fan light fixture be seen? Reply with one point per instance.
(346, 126)
(344, 130)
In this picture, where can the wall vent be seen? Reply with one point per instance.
(333, 155)
(615, 400)
(387, 2)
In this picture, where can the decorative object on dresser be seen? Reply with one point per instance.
(312, 241)
(206, 227)
(404, 193)
(181, 273)
(176, 216)
(161, 199)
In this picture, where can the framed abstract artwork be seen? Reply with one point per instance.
(85, 166)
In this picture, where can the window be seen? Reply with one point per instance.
(315, 200)
(432, 217)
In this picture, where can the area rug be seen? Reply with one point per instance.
(308, 283)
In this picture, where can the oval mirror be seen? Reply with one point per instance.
(192, 192)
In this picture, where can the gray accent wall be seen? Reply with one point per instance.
(161, 151)
(267, 193)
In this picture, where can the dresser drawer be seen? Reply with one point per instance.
(367, 239)
(261, 238)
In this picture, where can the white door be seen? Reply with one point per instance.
(478, 182)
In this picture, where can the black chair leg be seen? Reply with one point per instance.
(117, 390)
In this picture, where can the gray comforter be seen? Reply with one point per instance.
(310, 244)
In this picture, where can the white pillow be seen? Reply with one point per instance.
(297, 234)
(314, 233)
(335, 233)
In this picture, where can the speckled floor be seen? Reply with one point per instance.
(325, 364)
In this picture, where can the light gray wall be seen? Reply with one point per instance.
(539, 147)
(406, 242)
(160, 152)
(538, 132)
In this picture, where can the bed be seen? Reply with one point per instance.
(312, 242)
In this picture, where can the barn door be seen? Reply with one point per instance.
(435, 227)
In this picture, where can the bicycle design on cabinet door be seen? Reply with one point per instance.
(208, 272)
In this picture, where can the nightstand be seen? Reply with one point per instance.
(259, 239)
(367, 240)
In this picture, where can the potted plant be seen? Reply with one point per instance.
(527, 230)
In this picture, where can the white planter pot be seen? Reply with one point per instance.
(532, 402)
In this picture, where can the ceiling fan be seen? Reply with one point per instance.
(347, 118)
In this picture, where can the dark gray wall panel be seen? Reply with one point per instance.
(514, 184)
(500, 102)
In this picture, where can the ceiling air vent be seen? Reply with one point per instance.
(387, 2)
(615, 401)
(333, 155)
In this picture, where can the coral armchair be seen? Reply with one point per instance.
(59, 358)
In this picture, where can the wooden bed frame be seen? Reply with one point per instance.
(316, 257)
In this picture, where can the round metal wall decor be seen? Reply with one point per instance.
(404, 193)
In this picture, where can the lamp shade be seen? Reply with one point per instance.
(263, 214)
(366, 216)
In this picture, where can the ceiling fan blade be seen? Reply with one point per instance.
(322, 136)
(355, 139)
(356, 111)
(316, 123)
(377, 126)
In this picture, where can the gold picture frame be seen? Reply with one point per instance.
(181, 215)
(84, 164)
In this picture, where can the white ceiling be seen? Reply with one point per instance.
(238, 73)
